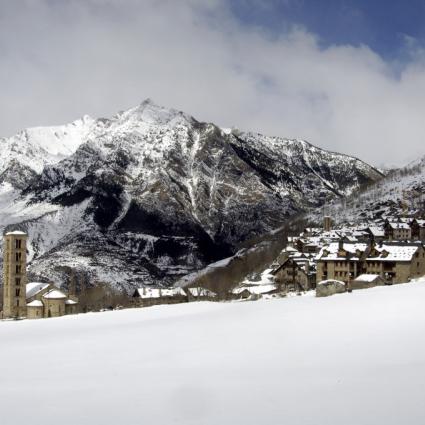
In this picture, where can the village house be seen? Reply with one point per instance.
(418, 229)
(295, 274)
(31, 300)
(395, 262)
(366, 281)
(254, 291)
(146, 296)
(376, 233)
(198, 293)
(340, 261)
(397, 231)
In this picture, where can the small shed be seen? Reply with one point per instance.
(367, 281)
(71, 307)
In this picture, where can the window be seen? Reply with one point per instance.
(18, 291)
(18, 269)
(18, 256)
(17, 303)
(18, 243)
(18, 281)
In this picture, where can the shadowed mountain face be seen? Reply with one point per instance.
(153, 194)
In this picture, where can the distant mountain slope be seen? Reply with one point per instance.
(152, 194)
(400, 192)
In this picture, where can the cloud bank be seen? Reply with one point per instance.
(60, 60)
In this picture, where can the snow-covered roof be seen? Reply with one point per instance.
(385, 252)
(376, 231)
(54, 294)
(201, 292)
(367, 277)
(16, 233)
(35, 303)
(397, 225)
(33, 288)
(147, 293)
(395, 253)
(254, 289)
(330, 251)
(330, 282)
(70, 302)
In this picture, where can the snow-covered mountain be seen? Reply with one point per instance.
(152, 194)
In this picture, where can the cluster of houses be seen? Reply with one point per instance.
(330, 260)
(352, 256)
(387, 251)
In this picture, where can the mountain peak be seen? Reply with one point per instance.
(149, 112)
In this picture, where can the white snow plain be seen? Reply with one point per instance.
(355, 358)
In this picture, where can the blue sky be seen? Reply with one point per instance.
(380, 24)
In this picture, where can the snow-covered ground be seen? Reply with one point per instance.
(354, 358)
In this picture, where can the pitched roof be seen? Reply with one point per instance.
(147, 293)
(330, 252)
(35, 303)
(367, 277)
(389, 252)
(397, 225)
(376, 231)
(201, 292)
(16, 233)
(33, 288)
(54, 294)
(384, 252)
(254, 289)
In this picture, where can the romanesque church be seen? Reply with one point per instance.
(32, 300)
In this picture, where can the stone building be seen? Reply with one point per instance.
(418, 230)
(295, 274)
(395, 262)
(45, 300)
(14, 274)
(327, 223)
(397, 231)
(365, 281)
(31, 300)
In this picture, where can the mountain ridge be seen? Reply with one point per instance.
(152, 194)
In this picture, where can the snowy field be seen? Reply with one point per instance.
(348, 359)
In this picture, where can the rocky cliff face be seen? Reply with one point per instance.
(152, 194)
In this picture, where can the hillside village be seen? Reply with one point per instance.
(353, 256)
(326, 259)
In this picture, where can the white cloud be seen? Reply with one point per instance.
(60, 60)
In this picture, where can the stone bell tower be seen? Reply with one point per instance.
(14, 274)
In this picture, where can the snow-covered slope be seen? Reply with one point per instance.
(349, 359)
(399, 193)
(152, 194)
